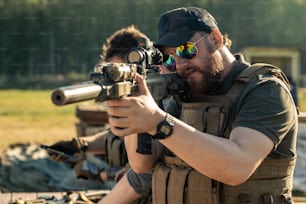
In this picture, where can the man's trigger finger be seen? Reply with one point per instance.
(142, 86)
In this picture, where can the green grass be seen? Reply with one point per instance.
(28, 116)
(302, 99)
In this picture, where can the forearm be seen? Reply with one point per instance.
(96, 143)
(141, 163)
(230, 161)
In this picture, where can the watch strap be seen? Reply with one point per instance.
(164, 128)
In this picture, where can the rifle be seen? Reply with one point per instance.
(116, 80)
(86, 169)
(67, 157)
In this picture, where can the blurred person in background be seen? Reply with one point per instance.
(114, 50)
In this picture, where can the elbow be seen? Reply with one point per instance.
(237, 179)
(235, 182)
(234, 177)
(238, 174)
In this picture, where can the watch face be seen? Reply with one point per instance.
(166, 129)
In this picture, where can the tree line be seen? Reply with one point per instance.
(45, 38)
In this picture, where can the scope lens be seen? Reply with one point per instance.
(134, 57)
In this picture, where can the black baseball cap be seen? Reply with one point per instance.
(177, 26)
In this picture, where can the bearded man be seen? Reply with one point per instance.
(232, 141)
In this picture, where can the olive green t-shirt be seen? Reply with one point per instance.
(266, 105)
(269, 108)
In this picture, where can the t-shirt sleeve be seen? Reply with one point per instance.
(268, 108)
(141, 183)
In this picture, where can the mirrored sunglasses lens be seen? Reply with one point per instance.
(187, 51)
(170, 63)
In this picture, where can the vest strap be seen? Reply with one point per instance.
(115, 151)
(176, 185)
(117, 144)
(159, 184)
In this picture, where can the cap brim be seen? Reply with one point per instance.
(174, 39)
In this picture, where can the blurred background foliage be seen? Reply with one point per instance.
(48, 42)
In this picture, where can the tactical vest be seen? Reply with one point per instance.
(175, 182)
(115, 150)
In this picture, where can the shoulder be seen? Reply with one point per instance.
(267, 106)
(264, 71)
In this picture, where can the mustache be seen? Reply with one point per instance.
(188, 70)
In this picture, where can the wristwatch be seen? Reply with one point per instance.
(164, 128)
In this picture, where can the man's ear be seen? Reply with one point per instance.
(217, 37)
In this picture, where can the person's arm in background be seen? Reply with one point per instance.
(96, 142)
(92, 144)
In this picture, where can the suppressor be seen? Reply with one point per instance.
(76, 93)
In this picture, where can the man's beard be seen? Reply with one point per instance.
(211, 76)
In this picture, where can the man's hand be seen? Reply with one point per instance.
(76, 145)
(135, 114)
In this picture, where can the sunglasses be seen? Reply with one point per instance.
(186, 51)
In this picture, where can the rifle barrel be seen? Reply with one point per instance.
(76, 93)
